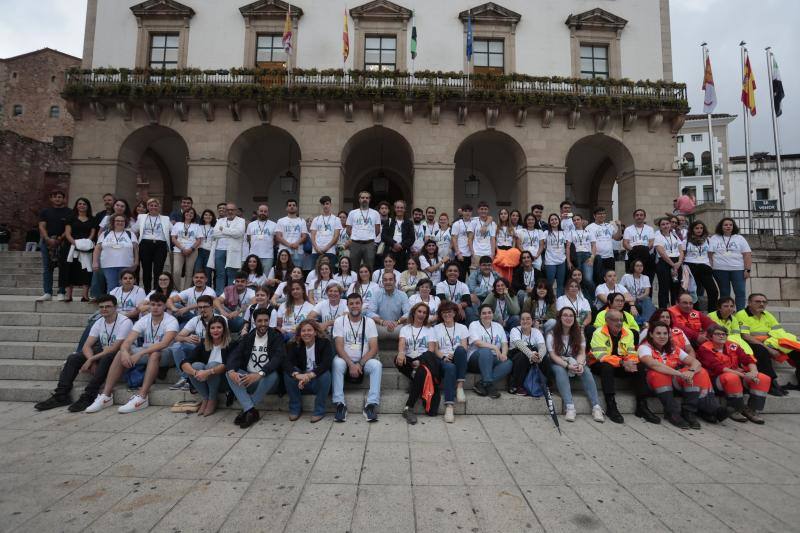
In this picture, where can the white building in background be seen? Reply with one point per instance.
(695, 156)
(764, 182)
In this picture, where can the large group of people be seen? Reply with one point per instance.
(299, 305)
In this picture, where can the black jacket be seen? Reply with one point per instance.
(201, 355)
(296, 359)
(406, 231)
(518, 278)
(276, 348)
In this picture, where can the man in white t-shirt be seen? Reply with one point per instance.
(234, 301)
(637, 239)
(192, 334)
(484, 233)
(419, 231)
(157, 331)
(183, 305)
(325, 230)
(461, 240)
(292, 232)
(261, 235)
(364, 227)
(604, 235)
(356, 339)
(94, 358)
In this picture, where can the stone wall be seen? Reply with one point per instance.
(29, 170)
(776, 268)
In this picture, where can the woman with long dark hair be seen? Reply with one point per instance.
(79, 232)
(697, 259)
(307, 369)
(205, 366)
(731, 260)
(670, 255)
(207, 222)
(542, 306)
(186, 239)
(555, 253)
(526, 347)
(281, 269)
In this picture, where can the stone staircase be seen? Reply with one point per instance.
(35, 338)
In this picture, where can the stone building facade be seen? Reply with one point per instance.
(418, 129)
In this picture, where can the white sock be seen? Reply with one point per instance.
(570, 406)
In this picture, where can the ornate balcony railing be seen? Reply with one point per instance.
(264, 85)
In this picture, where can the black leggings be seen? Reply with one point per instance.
(152, 255)
(667, 289)
(704, 278)
(764, 362)
(519, 370)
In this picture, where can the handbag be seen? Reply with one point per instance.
(533, 382)
(135, 376)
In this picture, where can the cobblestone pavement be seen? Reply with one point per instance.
(155, 470)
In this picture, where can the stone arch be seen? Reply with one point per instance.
(257, 160)
(499, 164)
(152, 162)
(594, 165)
(373, 157)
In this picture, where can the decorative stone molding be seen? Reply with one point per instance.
(348, 111)
(75, 109)
(99, 110)
(572, 118)
(436, 110)
(596, 27)
(601, 120)
(677, 123)
(380, 17)
(208, 110)
(322, 112)
(493, 21)
(492, 114)
(181, 109)
(153, 112)
(236, 112)
(408, 113)
(268, 16)
(547, 116)
(294, 111)
(522, 116)
(126, 110)
(629, 119)
(161, 16)
(654, 121)
(264, 111)
(377, 113)
(461, 114)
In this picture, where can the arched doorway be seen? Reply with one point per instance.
(594, 165)
(264, 168)
(378, 160)
(487, 167)
(153, 163)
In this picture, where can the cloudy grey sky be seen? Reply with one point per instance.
(28, 25)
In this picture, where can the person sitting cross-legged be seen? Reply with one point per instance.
(205, 365)
(234, 301)
(157, 330)
(254, 367)
(307, 369)
(107, 334)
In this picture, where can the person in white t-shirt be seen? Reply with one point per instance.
(388, 266)
(451, 289)
(527, 348)
(325, 231)
(555, 254)
(117, 249)
(425, 295)
(128, 295)
(419, 231)
(182, 306)
(637, 239)
(356, 341)
(731, 260)
(603, 290)
(329, 308)
(291, 232)
(294, 310)
(531, 239)
(461, 233)
(157, 331)
(604, 235)
(488, 352)
(484, 235)
(670, 255)
(345, 276)
(431, 263)
(638, 284)
(585, 251)
(261, 235)
(186, 238)
(363, 226)
(415, 340)
(318, 280)
(451, 347)
(697, 248)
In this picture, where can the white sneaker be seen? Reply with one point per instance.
(460, 396)
(449, 416)
(46, 297)
(136, 403)
(60, 297)
(597, 414)
(571, 414)
(101, 402)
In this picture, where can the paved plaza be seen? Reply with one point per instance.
(155, 470)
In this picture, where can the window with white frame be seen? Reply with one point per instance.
(380, 52)
(594, 61)
(697, 137)
(269, 50)
(163, 51)
(488, 55)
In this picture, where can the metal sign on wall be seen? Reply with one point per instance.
(765, 206)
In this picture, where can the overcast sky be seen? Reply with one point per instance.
(28, 25)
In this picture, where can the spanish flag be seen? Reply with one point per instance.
(345, 39)
(749, 87)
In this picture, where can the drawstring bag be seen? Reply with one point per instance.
(135, 376)
(533, 382)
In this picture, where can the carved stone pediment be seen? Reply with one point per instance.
(270, 9)
(491, 13)
(381, 9)
(596, 19)
(162, 8)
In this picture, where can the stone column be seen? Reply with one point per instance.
(319, 178)
(544, 185)
(651, 190)
(433, 185)
(208, 182)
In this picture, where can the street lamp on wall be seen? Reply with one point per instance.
(380, 183)
(472, 185)
(288, 181)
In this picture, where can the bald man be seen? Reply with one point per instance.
(228, 239)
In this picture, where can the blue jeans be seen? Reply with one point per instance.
(511, 322)
(587, 268)
(454, 372)
(485, 362)
(201, 261)
(726, 278)
(319, 386)
(206, 389)
(236, 324)
(47, 272)
(587, 380)
(179, 351)
(646, 309)
(266, 264)
(558, 273)
(372, 369)
(223, 276)
(251, 396)
(112, 277)
(87, 330)
(98, 287)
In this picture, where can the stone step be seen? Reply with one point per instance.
(36, 350)
(39, 334)
(23, 291)
(43, 319)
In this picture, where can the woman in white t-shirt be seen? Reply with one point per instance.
(117, 249)
(566, 353)
(431, 262)
(555, 253)
(408, 280)
(574, 298)
(205, 365)
(296, 274)
(527, 348)
(531, 239)
(294, 310)
(697, 259)
(255, 272)
(638, 285)
(318, 286)
(186, 238)
(451, 348)
(425, 295)
(365, 288)
(415, 340)
(488, 352)
(207, 222)
(731, 260)
(669, 250)
(344, 275)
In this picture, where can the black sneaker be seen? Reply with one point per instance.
(250, 418)
(612, 412)
(480, 389)
(52, 402)
(370, 412)
(722, 414)
(776, 390)
(81, 404)
(239, 418)
(341, 413)
(643, 411)
(492, 391)
(691, 419)
(677, 421)
(410, 417)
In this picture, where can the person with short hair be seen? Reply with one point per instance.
(574, 299)
(451, 289)
(254, 368)
(329, 308)
(189, 337)
(186, 238)
(356, 340)
(205, 364)
(182, 305)
(686, 202)
(128, 295)
(488, 352)
(260, 236)
(731, 260)
(638, 240)
(391, 307)
(234, 301)
(462, 233)
(157, 329)
(725, 316)
(307, 369)
(610, 285)
(94, 358)
(417, 217)
(261, 301)
(228, 240)
(537, 210)
(481, 281)
(177, 214)
(52, 222)
(363, 226)
(604, 235)
(484, 235)
(117, 249)
(154, 233)
(692, 322)
(325, 230)
(638, 285)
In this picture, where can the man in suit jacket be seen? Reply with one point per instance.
(398, 235)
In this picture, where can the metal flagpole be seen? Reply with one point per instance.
(711, 144)
(746, 113)
(776, 137)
